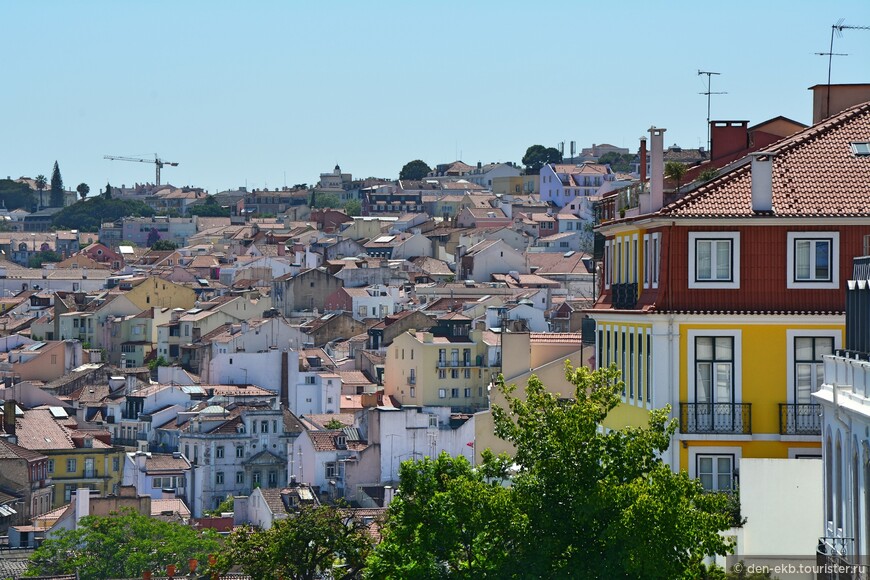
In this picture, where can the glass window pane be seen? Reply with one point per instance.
(706, 480)
(723, 382)
(704, 348)
(724, 465)
(723, 260)
(820, 377)
(822, 260)
(724, 483)
(803, 382)
(803, 348)
(802, 259)
(824, 346)
(705, 465)
(724, 348)
(703, 267)
(703, 383)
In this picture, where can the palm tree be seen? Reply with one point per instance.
(83, 190)
(675, 170)
(40, 183)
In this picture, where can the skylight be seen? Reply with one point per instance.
(861, 149)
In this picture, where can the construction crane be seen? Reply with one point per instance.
(158, 163)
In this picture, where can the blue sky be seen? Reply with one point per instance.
(248, 92)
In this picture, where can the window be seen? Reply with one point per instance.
(651, 258)
(264, 426)
(413, 392)
(240, 477)
(116, 464)
(454, 393)
(714, 260)
(716, 472)
(273, 478)
(70, 465)
(331, 470)
(467, 393)
(219, 452)
(442, 374)
(219, 478)
(51, 465)
(861, 149)
(68, 490)
(454, 373)
(809, 370)
(240, 451)
(467, 373)
(813, 260)
(442, 393)
(714, 369)
(256, 478)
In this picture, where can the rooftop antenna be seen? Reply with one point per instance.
(837, 29)
(709, 92)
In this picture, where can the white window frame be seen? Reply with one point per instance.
(608, 263)
(732, 284)
(633, 261)
(834, 283)
(737, 452)
(790, 335)
(715, 474)
(656, 254)
(647, 250)
(737, 371)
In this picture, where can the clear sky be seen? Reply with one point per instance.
(251, 92)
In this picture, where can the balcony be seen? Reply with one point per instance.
(624, 296)
(90, 474)
(458, 364)
(800, 419)
(716, 418)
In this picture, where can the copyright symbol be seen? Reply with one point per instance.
(738, 567)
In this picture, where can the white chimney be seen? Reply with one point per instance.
(83, 503)
(388, 495)
(762, 182)
(657, 168)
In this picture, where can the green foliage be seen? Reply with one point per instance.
(449, 521)
(228, 505)
(83, 189)
(56, 187)
(16, 195)
(209, 208)
(538, 155)
(39, 258)
(324, 200)
(159, 362)
(108, 192)
(40, 183)
(164, 245)
(334, 424)
(675, 170)
(316, 542)
(604, 505)
(617, 161)
(122, 545)
(708, 175)
(414, 170)
(584, 503)
(88, 214)
(353, 208)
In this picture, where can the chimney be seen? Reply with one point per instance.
(762, 182)
(83, 503)
(9, 420)
(282, 249)
(388, 495)
(642, 161)
(657, 168)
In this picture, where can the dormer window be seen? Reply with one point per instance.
(340, 441)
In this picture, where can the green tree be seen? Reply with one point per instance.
(414, 170)
(449, 521)
(334, 424)
(108, 193)
(16, 195)
(209, 208)
(617, 161)
(603, 504)
(310, 544)
(708, 175)
(675, 170)
(38, 259)
(56, 197)
(88, 214)
(157, 362)
(163, 245)
(353, 208)
(537, 155)
(83, 190)
(325, 200)
(122, 545)
(40, 183)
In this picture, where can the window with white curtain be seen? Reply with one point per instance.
(813, 260)
(714, 369)
(809, 369)
(714, 260)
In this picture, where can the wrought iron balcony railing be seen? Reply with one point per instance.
(800, 419)
(716, 418)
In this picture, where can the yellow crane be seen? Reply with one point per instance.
(158, 163)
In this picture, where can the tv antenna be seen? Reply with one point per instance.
(709, 92)
(836, 29)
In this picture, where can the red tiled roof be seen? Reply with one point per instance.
(815, 174)
(554, 337)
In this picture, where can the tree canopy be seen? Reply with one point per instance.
(353, 208)
(16, 195)
(87, 215)
(163, 245)
(122, 545)
(41, 184)
(327, 200)
(617, 161)
(310, 544)
(56, 198)
(83, 190)
(675, 170)
(537, 155)
(414, 170)
(209, 208)
(583, 503)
